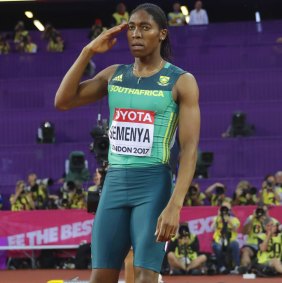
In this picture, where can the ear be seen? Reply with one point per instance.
(163, 34)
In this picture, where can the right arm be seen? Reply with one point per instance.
(71, 93)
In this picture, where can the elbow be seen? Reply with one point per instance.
(60, 105)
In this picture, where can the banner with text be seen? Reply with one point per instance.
(71, 227)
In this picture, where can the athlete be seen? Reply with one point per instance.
(148, 100)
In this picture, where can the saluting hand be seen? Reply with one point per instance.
(106, 40)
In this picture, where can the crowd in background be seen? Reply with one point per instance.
(21, 41)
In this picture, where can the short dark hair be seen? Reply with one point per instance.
(160, 18)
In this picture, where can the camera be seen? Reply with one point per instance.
(259, 212)
(224, 210)
(251, 191)
(219, 190)
(100, 148)
(192, 191)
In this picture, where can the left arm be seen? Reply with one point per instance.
(186, 92)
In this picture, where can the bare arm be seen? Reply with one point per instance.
(71, 93)
(189, 128)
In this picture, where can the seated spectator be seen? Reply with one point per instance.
(4, 44)
(216, 194)
(176, 18)
(121, 15)
(198, 16)
(225, 244)
(245, 194)
(22, 199)
(194, 197)
(55, 44)
(19, 32)
(268, 194)
(49, 32)
(29, 45)
(270, 248)
(183, 253)
(96, 29)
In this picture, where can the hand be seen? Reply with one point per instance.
(167, 224)
(106, 40)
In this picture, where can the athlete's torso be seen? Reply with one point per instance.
(143, 116)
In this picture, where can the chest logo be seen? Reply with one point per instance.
(163, 81)
(118, 78)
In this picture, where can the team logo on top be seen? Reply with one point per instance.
(163, 81)
(118, 78)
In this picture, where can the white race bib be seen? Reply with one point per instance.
(132, 132)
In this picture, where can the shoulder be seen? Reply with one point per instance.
(187, 87)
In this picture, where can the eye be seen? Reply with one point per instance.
(145, 27)
(131, 27)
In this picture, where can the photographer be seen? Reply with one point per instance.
(268, 195)
(216, 194)
(278, 184)
(245, 194)
(72, 196)
(22, 199)
(270, 248)
(225, 243)
(253, 226)
(182, 253)
(194, 197)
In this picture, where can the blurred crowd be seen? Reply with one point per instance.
(20, 40)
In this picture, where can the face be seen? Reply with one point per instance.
(32, 178)
(176, 7)
(144, 35)
(198, 5)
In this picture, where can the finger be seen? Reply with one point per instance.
(117, 29)
(112, 42)
(158, 227)
(162, 234)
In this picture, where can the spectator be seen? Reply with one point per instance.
(121, 15)
(29, 45)
(268, 194)
(19, 32)
(55, 44)
(96, 29)
(198, 16)
(4, 44)
(22, 199)
(216, 194)
(194, 197)
(245, 194)
(182, 253)
(176, 18)
(225, 244)
(49, 32)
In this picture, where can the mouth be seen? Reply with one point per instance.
(137, 46)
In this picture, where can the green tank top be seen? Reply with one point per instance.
(143, 116)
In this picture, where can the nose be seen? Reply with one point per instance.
(136, 33)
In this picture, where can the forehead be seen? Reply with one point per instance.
(142, 16)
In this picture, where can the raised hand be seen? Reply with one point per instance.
(106, 40)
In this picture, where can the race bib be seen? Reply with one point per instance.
(132, 131)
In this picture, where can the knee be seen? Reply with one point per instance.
(145, 276)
